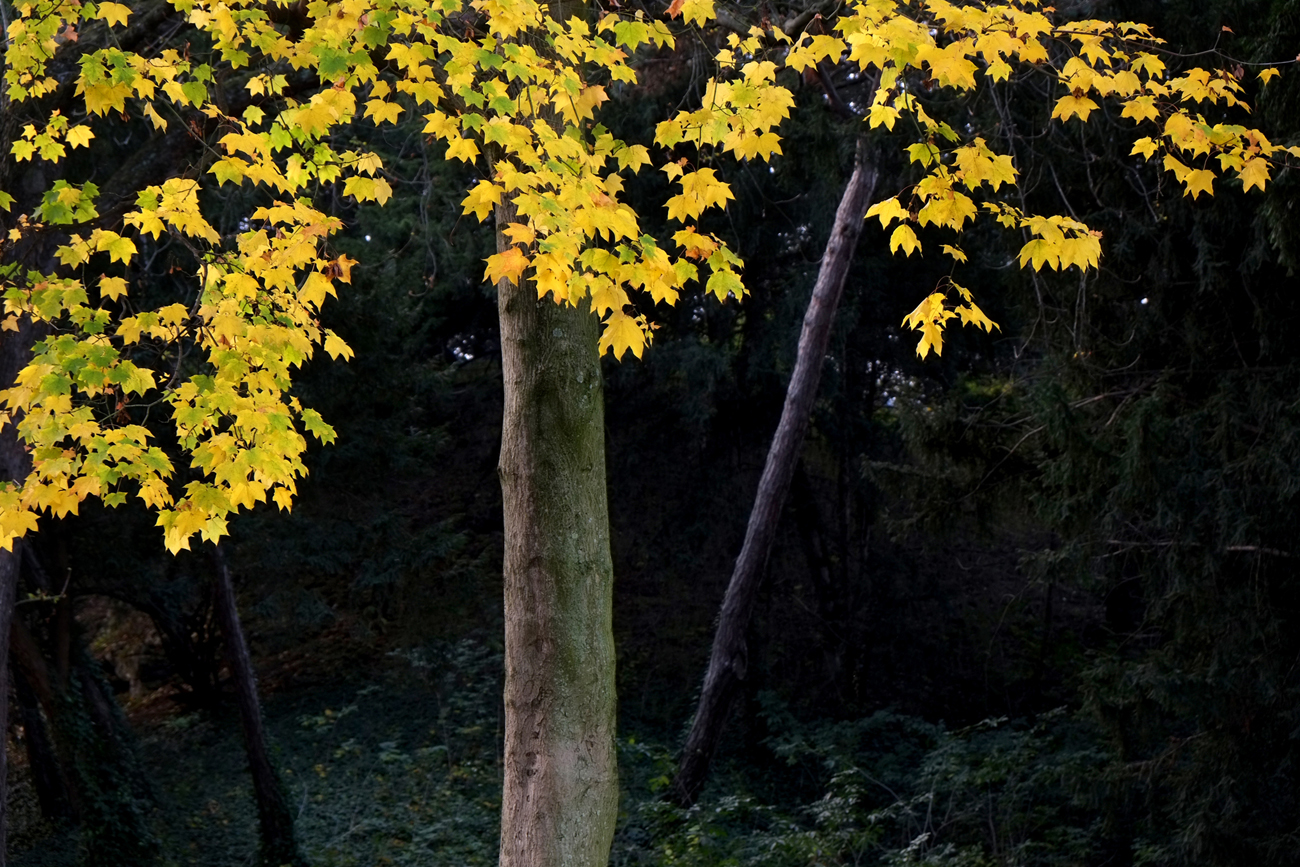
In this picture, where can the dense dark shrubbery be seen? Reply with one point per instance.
(890, 790)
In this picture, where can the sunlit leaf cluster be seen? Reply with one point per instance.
(514, 88)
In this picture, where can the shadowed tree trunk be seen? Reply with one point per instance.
(728, 660)
(8, 592)
(42, 760)
(15, 351)
(278, 843)
(560, 797)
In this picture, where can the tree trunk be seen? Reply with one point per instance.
(15, 351)
(727, 663)
(8, 594)
(560, 798)
(52, 791)
(278, 843)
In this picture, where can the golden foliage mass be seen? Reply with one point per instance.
(515, 91)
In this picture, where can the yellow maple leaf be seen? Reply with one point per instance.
(882, 114)
(156, 119)
(1071, 105)
(1145, 146)
(695, 245)
(700, 190)
(1082, 251)
(79, 136)
(380, 110)
(1254, 173)
(929, 318)
(1040, 252)
(904, 238)
(462, 149)
(1198, 181)
(888, 211)
(1266, 75)
(971, 315)
(621, 333)
(520, 233)
(482, 198)
(1141, 108)
(507, 265)
(336, 347)
(112, 288)
(113, 13)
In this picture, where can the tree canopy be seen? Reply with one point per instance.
(265, 95)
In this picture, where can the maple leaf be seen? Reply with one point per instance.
(482, 198)
(113, 13)
(929, 317)
(632, 157)
(1253, 173)
(1144, 146)
(1083, 252)
(382, 111)
(606, 295)
(462, 149)
(1266, 75)
(905, 239)
(621, 333)
(698, 11)
(1071, 105)
(79, 136)
(336, 347)
(695, 245)
(119, 249)
(882, 115)
(724, 284)
(1039, 252)
(229, 169)
(1141, 108)
(342, 268)
(112, 288)
(1198, 181)
(888, 211)
(520, 233)
(369, 163)
(507, 265)
(700, 190)
(156, 119)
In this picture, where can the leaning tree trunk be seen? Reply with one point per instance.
(727, 663)
(560, 797)
(278, 843)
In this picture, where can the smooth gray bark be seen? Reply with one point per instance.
(728, 660)
(560, 798)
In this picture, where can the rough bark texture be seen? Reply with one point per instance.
(278, 843)
(560, 798)
(727, 662)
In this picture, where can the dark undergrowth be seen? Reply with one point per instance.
(402, 768)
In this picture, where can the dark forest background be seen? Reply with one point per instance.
(1036, 602)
